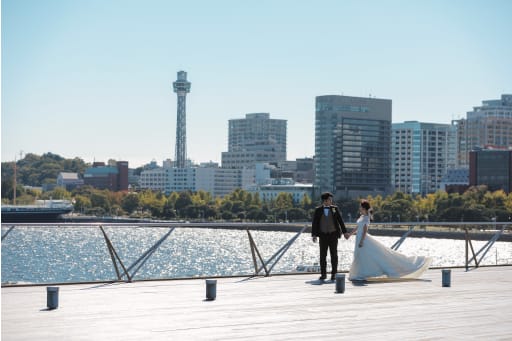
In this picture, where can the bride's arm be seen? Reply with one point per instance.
(365, 230)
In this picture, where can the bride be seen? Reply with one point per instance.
(373, 259)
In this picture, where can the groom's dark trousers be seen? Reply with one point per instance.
(328, 241)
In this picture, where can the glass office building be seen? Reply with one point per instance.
(352, 146)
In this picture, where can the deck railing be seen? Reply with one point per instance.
(467, 231)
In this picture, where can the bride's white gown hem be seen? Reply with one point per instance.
(374, 260)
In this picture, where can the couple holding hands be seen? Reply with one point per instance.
(371, 258)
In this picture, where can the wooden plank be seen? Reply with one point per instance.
(476, 306)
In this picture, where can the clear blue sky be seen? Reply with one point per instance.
(93, 78)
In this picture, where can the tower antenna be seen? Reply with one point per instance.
(181, 88)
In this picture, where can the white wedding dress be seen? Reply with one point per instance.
(377, 260)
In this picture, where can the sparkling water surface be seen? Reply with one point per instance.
(77, 254)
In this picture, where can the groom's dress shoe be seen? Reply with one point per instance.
(323, 277)
(333, 277)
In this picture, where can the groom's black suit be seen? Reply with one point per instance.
(328, 229)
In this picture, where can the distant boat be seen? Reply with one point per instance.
(41, 212)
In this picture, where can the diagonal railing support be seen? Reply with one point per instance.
(285, 248)
(115, 257)
(145, 256)
(7, 232)
(468, 243)
(254, 251)
(278, 255)
(487, 246)
(399, 242)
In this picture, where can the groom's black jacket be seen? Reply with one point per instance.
(338, 221)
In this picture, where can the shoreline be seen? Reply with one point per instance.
(457, 232)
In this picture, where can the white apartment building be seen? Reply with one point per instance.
(421, 155)
(271, 191)
(154, 179)
(222, 181)
(209, 178)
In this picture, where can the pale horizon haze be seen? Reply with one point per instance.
(93, 79)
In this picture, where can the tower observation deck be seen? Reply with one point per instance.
(181, 88)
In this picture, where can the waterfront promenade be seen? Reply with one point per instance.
(477, 306)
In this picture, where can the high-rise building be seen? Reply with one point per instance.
(421, 153)
(352, 146)
(256, 138)
(181, 88)
(487, 125)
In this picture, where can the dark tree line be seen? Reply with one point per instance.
(476, 204)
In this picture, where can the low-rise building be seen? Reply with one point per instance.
(69, 181)
(113, 178)
(208, 177)
(270, 191)
(456, 180)
(492, 168)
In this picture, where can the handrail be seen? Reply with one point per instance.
(267, 265)
(244, 225)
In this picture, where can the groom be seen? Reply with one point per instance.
(327, 226)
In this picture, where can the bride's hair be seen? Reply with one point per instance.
(366, 205)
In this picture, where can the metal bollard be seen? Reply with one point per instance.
(446, 277)
(211, 289)
(340, 283)
(52, 297)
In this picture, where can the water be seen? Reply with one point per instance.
(52, 255)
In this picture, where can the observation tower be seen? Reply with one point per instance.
(181, 88)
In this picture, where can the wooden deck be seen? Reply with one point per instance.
(477, 306)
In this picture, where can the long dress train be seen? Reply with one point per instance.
(377, 260)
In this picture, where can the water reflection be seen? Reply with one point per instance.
(49, 255)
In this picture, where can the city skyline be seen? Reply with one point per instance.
(94, 79)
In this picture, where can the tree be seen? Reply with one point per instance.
(82, 203)
(237, 207)
(201, 198)
(184, 200)
(255, 213)
(59, 193)
(297, 214)
(424, 207)
(306, 203)
(99, 200)
(130, 203)
(284, 201)
(153, 202)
